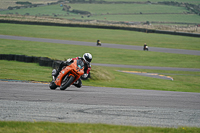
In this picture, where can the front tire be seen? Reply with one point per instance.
(66, 83)
(52, 86)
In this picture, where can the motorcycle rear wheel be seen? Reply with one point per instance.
(66, 83)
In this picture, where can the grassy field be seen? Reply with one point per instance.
(100, 11)
(101, 8)
(107, 77)
(105, 35)
(184, 1)
(183, 81)
(50, 127)
(128, 8)
(100, 54)
(103, 76)
(4, 4)
(186, 82)
(143, 18)
(105, 12)
(44, 10)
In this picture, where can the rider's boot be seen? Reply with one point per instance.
(78, 83)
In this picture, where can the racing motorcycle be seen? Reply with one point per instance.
(68, 75)
(146, 48)
(98, 43)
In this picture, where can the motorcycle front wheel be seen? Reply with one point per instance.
(52, 86)
(66, 83)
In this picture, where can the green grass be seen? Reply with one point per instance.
(107, 77)
(99, 9)
(24, 71)
(43, 10)
(183, 81)
(105, 35)
(4, 4)
(52, 127)
(184, 1)
(100, 54)
(102, 76)
(127, 8)
(179, 18)
(193, 18)
(188, 82)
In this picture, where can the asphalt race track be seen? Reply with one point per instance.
(23, 101)
(20, 101)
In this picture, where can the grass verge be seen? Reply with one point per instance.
(107, 77)
(186, 82)
(52, 127)
(100, 54)
(105, 35)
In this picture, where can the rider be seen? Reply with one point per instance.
(98, 42)
(87, 58)
(145, 47)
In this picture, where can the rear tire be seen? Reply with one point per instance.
(66, 83)
(52, 86)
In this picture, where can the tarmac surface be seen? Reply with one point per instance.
(21, 101)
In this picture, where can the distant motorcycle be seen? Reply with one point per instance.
(146, 48)
(98, 43)
(67, 76)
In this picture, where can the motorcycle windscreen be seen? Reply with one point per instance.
(80, 64)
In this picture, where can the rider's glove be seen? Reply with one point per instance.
(85, 75)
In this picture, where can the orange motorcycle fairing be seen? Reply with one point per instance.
(71, 70)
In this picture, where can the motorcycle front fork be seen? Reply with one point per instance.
(54, 71)
(53, 78)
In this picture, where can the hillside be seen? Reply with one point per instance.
(177, 15)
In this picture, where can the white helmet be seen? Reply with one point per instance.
(87, 57)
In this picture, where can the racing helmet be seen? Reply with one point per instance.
(87, 57)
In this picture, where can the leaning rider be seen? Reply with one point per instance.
(87, 58)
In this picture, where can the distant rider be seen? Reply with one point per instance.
(145, 47)
(87, 58)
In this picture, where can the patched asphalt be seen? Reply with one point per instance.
(21, 101)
